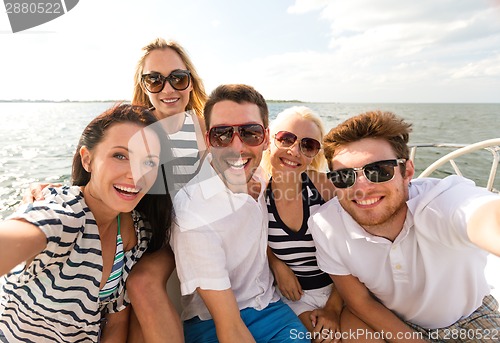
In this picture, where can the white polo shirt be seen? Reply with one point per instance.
(431, 275)
(220, 242)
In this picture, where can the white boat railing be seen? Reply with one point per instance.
(491, 145)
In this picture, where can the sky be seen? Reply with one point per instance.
(374, 51)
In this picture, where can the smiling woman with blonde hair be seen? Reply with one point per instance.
(297, 187)
(167, 82)
(318, 162)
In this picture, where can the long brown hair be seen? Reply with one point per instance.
(157, 207)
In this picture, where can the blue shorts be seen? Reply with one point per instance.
(275, 324)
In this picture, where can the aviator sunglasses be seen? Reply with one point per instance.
(250, 134)
(308, 146)
(155, 82)
(375, 172)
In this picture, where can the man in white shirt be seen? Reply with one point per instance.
(408, 257)
(220, 236)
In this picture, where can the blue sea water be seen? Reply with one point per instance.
(37, 140)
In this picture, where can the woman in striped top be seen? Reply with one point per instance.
(296, 189)
(75, 249)
(167, 82)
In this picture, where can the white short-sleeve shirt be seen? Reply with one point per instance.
(431, 275)
(220, 241)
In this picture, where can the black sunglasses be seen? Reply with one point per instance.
(308, 146)
(376, 172)
(250, 134)
(155, 82)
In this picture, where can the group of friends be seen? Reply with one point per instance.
(278, 231)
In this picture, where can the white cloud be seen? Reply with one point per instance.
(303, 6)
(405, 28)
(489, 67)
(408, 49)
(384, 50)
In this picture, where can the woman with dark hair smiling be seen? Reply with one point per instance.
(75, 249)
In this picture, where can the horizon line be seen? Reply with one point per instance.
(270, 100)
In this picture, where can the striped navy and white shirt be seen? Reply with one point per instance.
(56, 297)
(186, 154)
(297, 249)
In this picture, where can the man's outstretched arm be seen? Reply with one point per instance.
(483, 227)
(224, 309)
(360, 302)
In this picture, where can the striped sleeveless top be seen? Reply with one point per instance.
(185, 151)
(56, 297)
(297, 249)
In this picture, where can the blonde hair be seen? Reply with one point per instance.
(197, 98)
(319, 162)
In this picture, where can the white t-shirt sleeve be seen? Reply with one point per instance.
(325, 239)
(444, 210)
(199, 255)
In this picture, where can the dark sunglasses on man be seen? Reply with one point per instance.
(250, 134)
(155, 82)
(375, 172)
